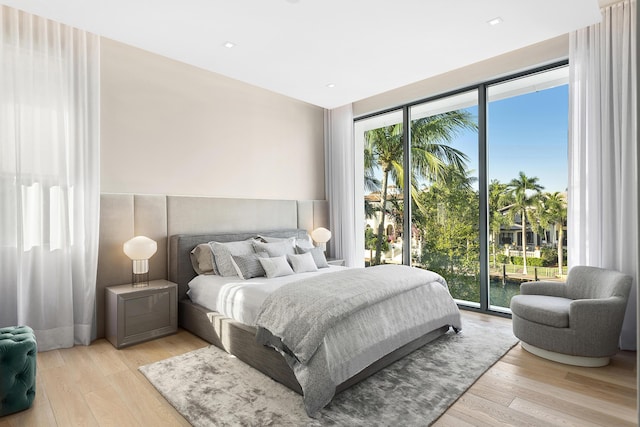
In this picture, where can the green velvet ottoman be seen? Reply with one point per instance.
(18, 352)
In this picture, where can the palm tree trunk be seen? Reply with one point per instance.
(559, 245)
(524, 243)
(383, 214)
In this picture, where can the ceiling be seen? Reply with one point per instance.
(300, 47)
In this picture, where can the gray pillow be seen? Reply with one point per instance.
(316, 253)
(302, 263)
(276, 267)
(222, 253)
(248, 266)
(274, 249)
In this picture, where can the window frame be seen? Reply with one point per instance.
(483, 181)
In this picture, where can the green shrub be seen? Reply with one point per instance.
(503, 259)
(535, 262)
(531, 262)
(549, 257)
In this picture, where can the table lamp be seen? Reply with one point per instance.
(321, 236)
(140, 249)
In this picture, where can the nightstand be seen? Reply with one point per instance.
(335, 261)
(139, 314)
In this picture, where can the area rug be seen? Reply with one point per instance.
(211, 388)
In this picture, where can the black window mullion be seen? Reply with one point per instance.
(483, 188)
(406, 217)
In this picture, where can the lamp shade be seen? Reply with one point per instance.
(321, 235)
(140, 247)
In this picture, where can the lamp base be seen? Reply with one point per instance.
(140, 280)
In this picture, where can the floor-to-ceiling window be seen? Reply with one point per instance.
(527, 125)
(382, 139)
(444, 188)
(487, 168)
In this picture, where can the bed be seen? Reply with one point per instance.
(238, 336)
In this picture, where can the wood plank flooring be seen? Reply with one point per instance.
(101, 386)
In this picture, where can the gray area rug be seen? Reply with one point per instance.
(211, 388)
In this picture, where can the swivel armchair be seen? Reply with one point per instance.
(577, 322)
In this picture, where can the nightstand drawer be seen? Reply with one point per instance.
(145, 313)
(139, 314)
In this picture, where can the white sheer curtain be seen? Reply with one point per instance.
(340, 179)
(49, 178)
(603, 156)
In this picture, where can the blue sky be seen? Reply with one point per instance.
(525, 133)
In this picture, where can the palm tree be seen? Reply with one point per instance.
(383, 147)
(498, 199)
(430, 153)
(555, 213)
(521, 190)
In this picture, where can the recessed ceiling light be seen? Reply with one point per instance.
(229, 45)
(331, 85)
(495, 21)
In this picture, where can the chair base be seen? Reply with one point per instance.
(588, 362)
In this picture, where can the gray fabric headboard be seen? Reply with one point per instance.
(180, 246)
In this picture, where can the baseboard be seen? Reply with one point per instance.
(588, 362)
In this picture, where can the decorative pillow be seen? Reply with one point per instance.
(302, 263)
(222, 253)
(270, 239)
(316, 253)
(274, 249)
(202, 259)
(303, 242)
(248, 266)
(276, 267)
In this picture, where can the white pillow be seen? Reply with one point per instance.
(317, 253)
(302, 263)
(275, 249)
(276, 266)
(304, 242)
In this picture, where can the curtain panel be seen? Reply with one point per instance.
(603, 152)
(340, 181)
(49, 178)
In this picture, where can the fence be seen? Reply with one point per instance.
(535, 272)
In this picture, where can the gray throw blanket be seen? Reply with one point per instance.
(295, 318)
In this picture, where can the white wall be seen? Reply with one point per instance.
(171, 128)
(536, 55)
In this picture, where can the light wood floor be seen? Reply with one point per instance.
(99, 385)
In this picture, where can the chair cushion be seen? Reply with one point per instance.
(546, 310)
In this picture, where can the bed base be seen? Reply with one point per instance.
(239, 340)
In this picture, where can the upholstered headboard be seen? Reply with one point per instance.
(180, 245)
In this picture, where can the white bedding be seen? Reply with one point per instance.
(240, 299)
